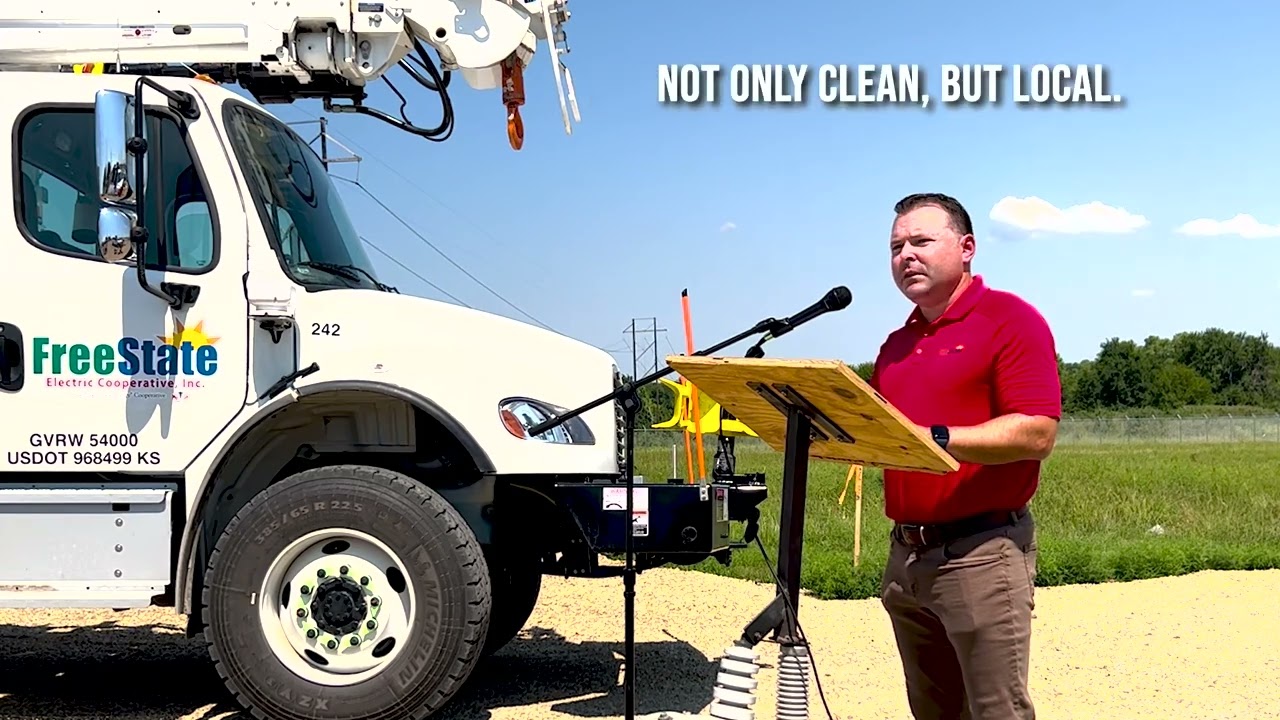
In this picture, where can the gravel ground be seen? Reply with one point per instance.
(1204, 646)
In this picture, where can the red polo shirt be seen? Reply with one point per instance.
(990, 354)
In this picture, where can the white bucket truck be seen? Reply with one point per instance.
(211, 402)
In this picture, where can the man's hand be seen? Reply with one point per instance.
(1006, 439)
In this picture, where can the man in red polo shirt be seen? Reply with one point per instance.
(976, 369)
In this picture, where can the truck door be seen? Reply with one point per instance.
(96, 373)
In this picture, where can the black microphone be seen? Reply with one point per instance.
(837, 298)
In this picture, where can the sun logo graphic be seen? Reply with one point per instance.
(186, 351)
(182, 334)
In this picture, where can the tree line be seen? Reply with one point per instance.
(1211, 367)
(1203, 371)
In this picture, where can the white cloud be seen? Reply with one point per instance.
(1035, 215)
(1142, 293)
(728, 226)
(1245, 226)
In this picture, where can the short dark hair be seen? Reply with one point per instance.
(960, 221)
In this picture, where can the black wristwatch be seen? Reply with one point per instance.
(941, 435)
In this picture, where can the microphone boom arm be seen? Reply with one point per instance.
(632, 385)
(838, 298)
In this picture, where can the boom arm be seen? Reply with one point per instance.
(284, 51)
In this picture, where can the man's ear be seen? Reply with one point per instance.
(968, 247)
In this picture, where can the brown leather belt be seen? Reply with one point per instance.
(918, 536)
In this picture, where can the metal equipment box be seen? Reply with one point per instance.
(667, 519)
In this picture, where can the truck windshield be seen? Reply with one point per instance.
(300, 209)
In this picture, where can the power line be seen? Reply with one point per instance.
(410, 182)
(413, 272)
(325, 136)
(325, 160)
(442, 253)
(673, 347)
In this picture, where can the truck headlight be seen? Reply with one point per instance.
(520, 414)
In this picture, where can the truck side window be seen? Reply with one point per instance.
(59, 201)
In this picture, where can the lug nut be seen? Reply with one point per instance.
(364, 580)
(371, 624)
(305, 590)
(311, 633)
(375, 602)
(344, 569)
(332, 644)
(321, 573)
(355, 640)
(302, 612)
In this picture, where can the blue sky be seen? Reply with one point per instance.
(586, 232)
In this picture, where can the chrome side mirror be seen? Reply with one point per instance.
(113, 113)
(115, 233)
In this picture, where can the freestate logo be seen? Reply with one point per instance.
(188, 352)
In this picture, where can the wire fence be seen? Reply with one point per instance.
(1178, 429)
(1082, 431)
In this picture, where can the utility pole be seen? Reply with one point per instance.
(636, 352)
(634, 373)
(324, 139)
(324, 143)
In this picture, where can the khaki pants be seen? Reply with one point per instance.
(961, 614)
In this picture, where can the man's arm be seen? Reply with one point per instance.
(1028, 399)
(1005, 439)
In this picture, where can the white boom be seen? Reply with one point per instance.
(284, 51)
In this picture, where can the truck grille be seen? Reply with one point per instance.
(620, 424)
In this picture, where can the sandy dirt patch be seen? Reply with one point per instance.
(1205, 646)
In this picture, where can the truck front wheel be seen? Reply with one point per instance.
(346, 592)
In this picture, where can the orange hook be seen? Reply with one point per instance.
(513, 98)
(515, 128)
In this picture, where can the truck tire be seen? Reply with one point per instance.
(346, 592)
(516, 577)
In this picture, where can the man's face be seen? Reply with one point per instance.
(927, 256)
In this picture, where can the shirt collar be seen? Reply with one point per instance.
(958, 309)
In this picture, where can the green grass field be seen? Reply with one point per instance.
(1218, 505)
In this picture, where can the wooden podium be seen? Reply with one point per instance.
(808, 409)
(851, 422)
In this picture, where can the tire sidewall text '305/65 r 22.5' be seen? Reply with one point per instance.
(433, 597)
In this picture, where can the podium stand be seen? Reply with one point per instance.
(807, 409)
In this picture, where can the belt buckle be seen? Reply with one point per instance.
(920, 530)
(914, 535)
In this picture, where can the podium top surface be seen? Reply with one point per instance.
(851, 422)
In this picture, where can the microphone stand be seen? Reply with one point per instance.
(627, 394)
(726, 459)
